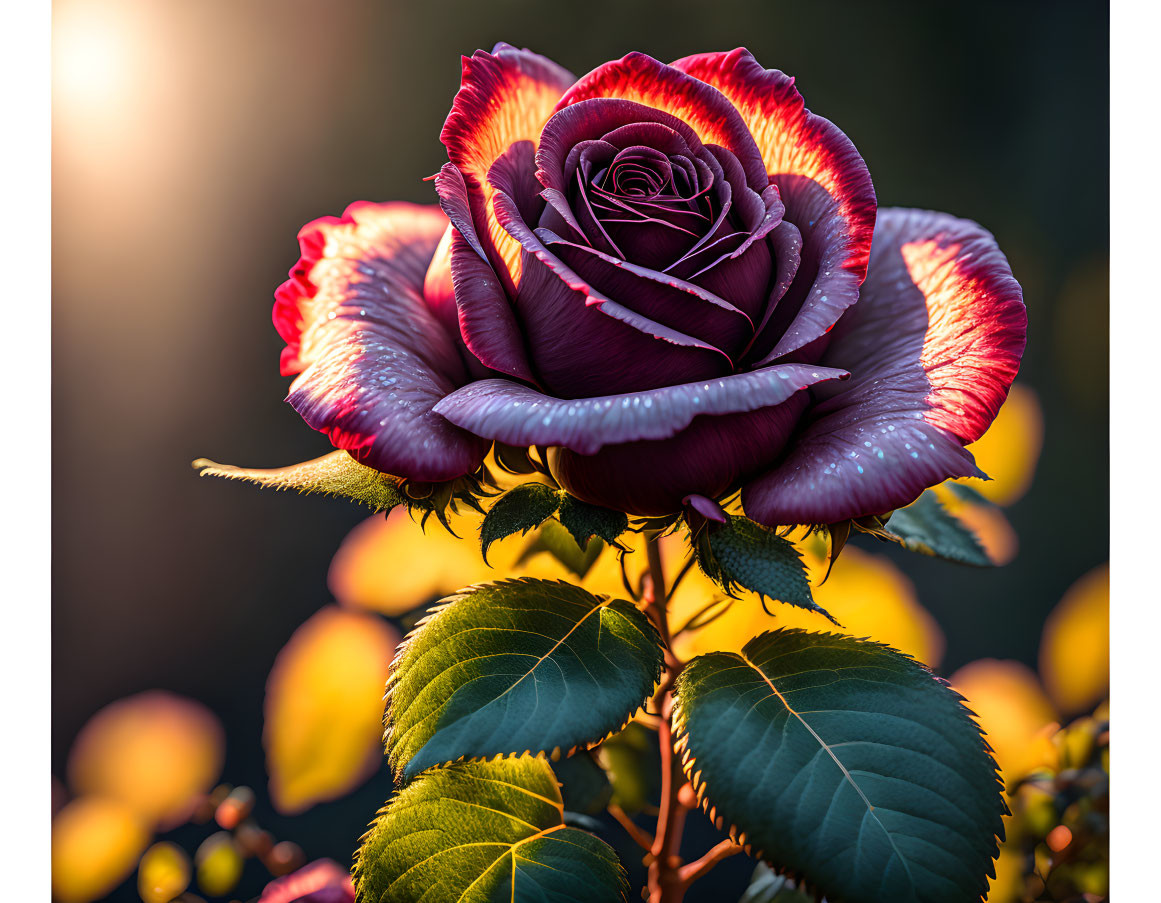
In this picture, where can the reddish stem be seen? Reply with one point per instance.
(665, 883)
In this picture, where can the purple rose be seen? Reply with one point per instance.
(672, 278)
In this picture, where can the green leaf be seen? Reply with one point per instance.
(844, 762)
(965, 492)
(334, 474)
(583, 520)
(517, 511)
(925, 527)
(743, 553)
(767, 886)
(554, 539)
(515, 666)
(632, 761)
(584, 786)
(484, 832)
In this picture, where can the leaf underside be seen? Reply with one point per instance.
(336, 474)
(767, 886)
(480, 832)
(746, 554)
(554, 538)
(846, 763)
(926, 527)
(584, 786)
(517, 666)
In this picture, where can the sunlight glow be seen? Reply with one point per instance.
(92, 59)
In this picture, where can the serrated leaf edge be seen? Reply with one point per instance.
(553, 755)
(701, 786)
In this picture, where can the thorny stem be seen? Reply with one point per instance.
(693, 871)
(669, 877)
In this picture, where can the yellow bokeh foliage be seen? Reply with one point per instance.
(219, 864)
(393, 565)
(324, 707)
(155, 752)
(163, 873)
(96, 841)
(1009, 450)
(1013, 710)
(866, 593)
(1074, 647)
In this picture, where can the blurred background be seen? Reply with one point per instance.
(191, 140)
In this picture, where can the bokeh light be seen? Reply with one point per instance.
(1009, 451)
(96, 841)
(324, 707)
(392, 565)
(1013, 710)
(155, 752)
(1074, 648)
(866, 593)
(163, 873)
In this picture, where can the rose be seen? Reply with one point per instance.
(671, 277)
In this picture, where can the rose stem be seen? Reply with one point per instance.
(665, 884)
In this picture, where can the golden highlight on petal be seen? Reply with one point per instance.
(324, 707)
(155, 752)
(1074, 647)
(96, 841)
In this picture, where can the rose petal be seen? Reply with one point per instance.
(486, 320)
(564, 319)
(505, 96)
(933, 345)
(518, 415)
(644, 80)
(823, 182)
(652, 478)
(673, 302)
(374, 357)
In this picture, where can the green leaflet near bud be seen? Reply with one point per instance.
(553, 538)
(746, 554)
(517, 511)
(335, 474)
(480, 832)
(584, 521)
(926, 527)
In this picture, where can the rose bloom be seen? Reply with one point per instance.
(676, 280)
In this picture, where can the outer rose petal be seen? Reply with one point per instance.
(505, 96)
(655, 477)
(374, 356)
(486, 320)
(517, 415)
(642, 79)
(933, 345)
(824, 184)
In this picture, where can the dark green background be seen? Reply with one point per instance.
(174, 217)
